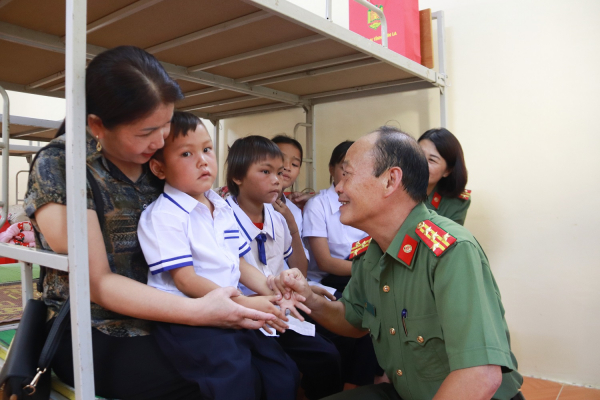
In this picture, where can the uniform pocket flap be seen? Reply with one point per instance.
(371, 323)
(423, 328)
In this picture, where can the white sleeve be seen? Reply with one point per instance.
(164, 241)
(287, 238)
(243, 246)
(314, 222)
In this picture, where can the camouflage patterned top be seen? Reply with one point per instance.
(124, 201)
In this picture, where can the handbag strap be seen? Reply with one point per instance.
(63, 318)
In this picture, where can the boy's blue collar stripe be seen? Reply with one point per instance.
(174, 202)
(241, 226)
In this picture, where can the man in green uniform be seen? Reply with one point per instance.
(423, 288)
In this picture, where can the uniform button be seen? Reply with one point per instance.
(392, 331)
(386, 288)
(144, 206)
(399, 372)
(420, 339)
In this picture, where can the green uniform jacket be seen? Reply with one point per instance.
(453, 208)
(454, 314)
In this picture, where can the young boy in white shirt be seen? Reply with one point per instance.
(254, 168)
(192, 244)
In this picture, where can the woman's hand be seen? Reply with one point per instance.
(293, 304)
(265, 304)
(223, 312)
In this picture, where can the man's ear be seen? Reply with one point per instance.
(237, 181)
(393, 181)
(157, 168)
(96, 126)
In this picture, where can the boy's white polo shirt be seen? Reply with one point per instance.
(177, 231)
(278, 246)
(322, 219)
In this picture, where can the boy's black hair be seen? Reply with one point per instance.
(181, 123)
(451, 151)
(243, 153)
(288, 140)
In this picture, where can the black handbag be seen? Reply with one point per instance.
(26, 371)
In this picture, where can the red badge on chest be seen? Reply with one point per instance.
(435, 201)
(407, 249)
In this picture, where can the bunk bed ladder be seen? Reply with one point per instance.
(76, 262)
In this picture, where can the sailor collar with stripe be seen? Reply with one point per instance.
(187, 203)
(333, 198)
(247, 226)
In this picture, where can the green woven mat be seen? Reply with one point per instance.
(12, 272)
(6, 337)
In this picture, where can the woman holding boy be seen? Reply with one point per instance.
(130, 101)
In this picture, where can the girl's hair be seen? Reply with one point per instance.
(243, 153)
(338, 154)
(288, 140)
(450, 149)
(125, 84)
(181, 123)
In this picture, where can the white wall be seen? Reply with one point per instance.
(523, 103)
(28, 105)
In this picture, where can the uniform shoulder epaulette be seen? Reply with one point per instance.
(437, 239)
(359, 247)
(465, 195)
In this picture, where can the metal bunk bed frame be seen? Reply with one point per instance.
(384, 71)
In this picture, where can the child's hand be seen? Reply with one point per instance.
(284, 210)
(292, 304)
(265, 304)
(300, 198)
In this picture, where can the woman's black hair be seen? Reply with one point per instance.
(243, 153)
(450, 149)
(125, 84)
(288, 140)
(338, 154)
(181, 123)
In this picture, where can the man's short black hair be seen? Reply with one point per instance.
(181, 123)
(243, 153)
(394, 148)
(288, 140)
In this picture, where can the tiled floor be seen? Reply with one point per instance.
(539, 389)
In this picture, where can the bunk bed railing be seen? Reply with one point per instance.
(4, 146)
(76, 261)
(379, 12)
